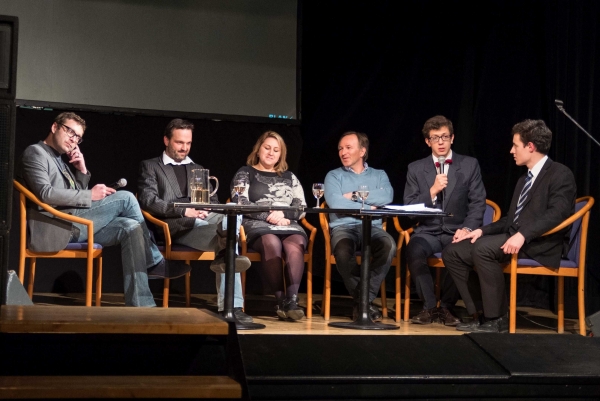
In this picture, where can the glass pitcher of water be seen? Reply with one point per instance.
(200, 187)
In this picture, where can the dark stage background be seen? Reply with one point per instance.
(384, 68)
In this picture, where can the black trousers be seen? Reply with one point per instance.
(486, 257)
(420, 247)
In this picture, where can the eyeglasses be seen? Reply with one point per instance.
(436, 138)
(72, 133)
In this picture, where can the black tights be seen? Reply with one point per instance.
(273, 249)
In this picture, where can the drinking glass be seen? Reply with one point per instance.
(318, 190)
(363, 193)
(239, 186)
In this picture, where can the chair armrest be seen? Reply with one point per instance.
(243, 241)
(166, 232)
(65, 216)
(313, 234)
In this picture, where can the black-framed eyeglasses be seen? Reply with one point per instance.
(72, 133)
(436, 138)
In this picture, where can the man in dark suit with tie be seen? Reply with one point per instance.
(543, 198)
(164, 181)
(116, 215)
(454, 186)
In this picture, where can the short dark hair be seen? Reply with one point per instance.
(363, 141)
(536, 132)
(437, 122)
(68, 115)
(177, 123)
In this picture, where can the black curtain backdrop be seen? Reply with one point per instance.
(383, 68)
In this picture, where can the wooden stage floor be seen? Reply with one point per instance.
(529, 320)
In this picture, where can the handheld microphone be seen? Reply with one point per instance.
(119, 184)
(442, 161)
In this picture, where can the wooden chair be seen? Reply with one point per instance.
(330, 259)
(85, 250)
(572, 266)
(172, 251)
(308, 256)
(491, 214)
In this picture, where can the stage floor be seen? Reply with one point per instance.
(529, 320)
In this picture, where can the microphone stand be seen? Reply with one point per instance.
(559, 105)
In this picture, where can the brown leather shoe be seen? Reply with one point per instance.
(447, 318)
(426, 316)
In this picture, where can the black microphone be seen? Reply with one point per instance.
(441, 195)
(559, 105)
(119, 184)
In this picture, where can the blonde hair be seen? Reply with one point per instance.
(281, 164)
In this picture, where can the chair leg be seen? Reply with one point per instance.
(581, 302)
(407, 296)
(384, 309)
(561, 305)
(327, 292)
(188, 288)
(99, 281)
(309, 284)
(22, 268)
(32, 263)
(513, 298)
(398, 287)
(166, 293)
(89, 280)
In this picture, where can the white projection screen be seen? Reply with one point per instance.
(216, 57)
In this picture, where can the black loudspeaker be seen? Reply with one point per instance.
(7, 148)
(593, 321)
(9, 27)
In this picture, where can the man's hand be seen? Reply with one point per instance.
(76, 159)
(348, 195)
(198, 214)
(513, 244)
(473, 235)
(441, 182)
(283, 222)
(459, 234)
(101, 191)
(275, 217)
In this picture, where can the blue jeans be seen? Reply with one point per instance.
(118, 220)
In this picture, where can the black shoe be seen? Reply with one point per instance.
(242, 263)
(374, 313)
(499, 325)
(471, 325)
(288, 308)
(426, 316)
(240, 315)
(447, 318)
(168, 269)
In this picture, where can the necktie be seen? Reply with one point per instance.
(523, 195)
(67, 173)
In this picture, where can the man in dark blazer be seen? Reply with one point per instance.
(116, 215)
(543, 198)
(455, 186)
(164, 181)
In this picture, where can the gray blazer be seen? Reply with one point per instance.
(39, 171)
(464, 195)
(158, 189)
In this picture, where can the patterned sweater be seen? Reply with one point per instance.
(269, 188)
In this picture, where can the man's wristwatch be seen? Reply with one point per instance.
(354, 196)
(467, 229)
